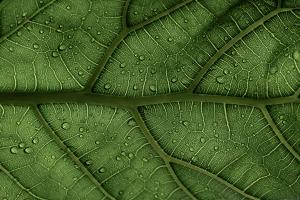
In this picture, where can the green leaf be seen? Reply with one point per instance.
(141, 99)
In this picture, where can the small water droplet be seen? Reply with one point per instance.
(19, 33)
(101, 170)
(107, 86)
(145, 159)
(142, 58)
(28, 150)
(14, 150)
(65, 125)
(185, 123)
(62, 47)
(202, 140)
(68, 7)
(35, 140)
(11, 49)
(135, 87)
(170, 39)
(185, 21)
(174, 80)
(53, 157)
(88, 162)
(122, 65)
(35, 46)
(152, 88)
(131, 122)
(220, 79)
(54, 54)
(191, 149)
(130, 155)
(118, 158)
(216, 148)
(97, 142)
(21, 144)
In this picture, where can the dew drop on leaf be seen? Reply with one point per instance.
(142, 58)
(202, 140)
(88, 162)
(28, 150)
(35, 46)
(152, 88)
(14, 150)
(97, 142)
(35, 140)
(216, 148)
(130, 155)
(122, 65)
(62, 47)
(185, 123)
(19, 33)
(65, 125)
(21, 144)
(174, 80)
(107, 86)
(54, 54)
(220, 79)
(101, 170)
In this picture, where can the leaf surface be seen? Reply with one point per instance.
(141, 99)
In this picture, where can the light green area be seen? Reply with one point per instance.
(234, 142)
(287, 118)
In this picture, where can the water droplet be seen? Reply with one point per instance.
(174, 80)
(14, 150)
(54, 54)
(35, 140)
(220, 79)
(192, 149)
(135, 87)
(62, 47)
(216, 148)
(185, 123)
(131, 122)
(244, 61)
(21, 144)
(68, 7)
(53, 157)
(142, 58)
(185, 21)
(170, 39)
(225, 71)
(202, 140)
(130, 155)
(11, 49)
(145, 159)
(122, 65)
(97, 142)
(296, 55)
(28, 150)
(118, 158)
(19, 33)
(152, 88)
(65, 125)
(35, 46)
(107, 86)
(41, 31)
(88, 162)
(101, 170)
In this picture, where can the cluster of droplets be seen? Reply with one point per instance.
(22, 147)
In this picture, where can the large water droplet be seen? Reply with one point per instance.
(65, 125)
(14, 150)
